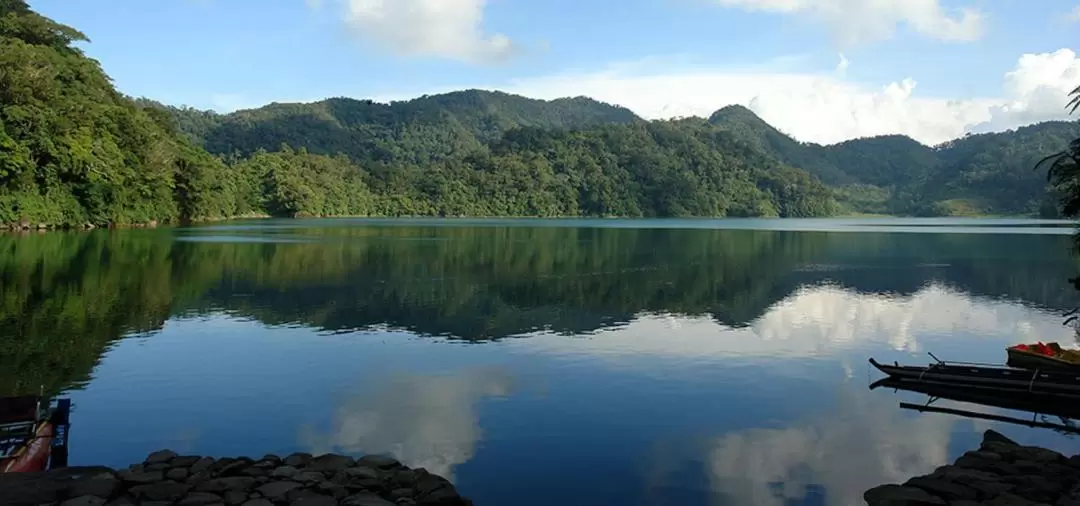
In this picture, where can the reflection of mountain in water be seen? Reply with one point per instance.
(66, 296)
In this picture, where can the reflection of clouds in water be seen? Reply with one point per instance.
(872, 444)
(833, 315)
(819, 320)
(424, 421)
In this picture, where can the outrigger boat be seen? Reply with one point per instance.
(989, 377)
(33, 433)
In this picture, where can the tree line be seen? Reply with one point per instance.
(76, 152)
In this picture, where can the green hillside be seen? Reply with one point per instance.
(977, 174)
(76, 152)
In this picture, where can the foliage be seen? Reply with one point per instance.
(990, 170)
(74, 151)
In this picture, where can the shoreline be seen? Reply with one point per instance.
(24, 229)
(1000, 472)
(168, 479)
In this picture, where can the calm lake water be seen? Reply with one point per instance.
(536, 362)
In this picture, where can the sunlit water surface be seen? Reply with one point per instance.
(536, 361)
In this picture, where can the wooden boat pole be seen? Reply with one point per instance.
(985, 416)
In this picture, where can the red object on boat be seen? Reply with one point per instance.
(1039, 348)
(35, 456)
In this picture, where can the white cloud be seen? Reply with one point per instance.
(857, 21)
(451, 29)
(1035, 90)
(841, 68)
(820, 107)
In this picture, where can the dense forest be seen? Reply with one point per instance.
(76, 152)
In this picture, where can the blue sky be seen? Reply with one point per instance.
(932, 69)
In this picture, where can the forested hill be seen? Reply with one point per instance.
(418, 130)
(990, 173)
(74, 151)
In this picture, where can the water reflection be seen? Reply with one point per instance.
(721, 366)
(825, 459)
(423, 421)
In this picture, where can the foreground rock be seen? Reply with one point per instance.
(168, 479)
(1000, 473)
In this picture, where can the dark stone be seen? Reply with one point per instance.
(84, 500)
(234, 468)
(258, 502)
(1074, 461)
(185, 461)
(198, 478)
(361, 473)
(103, 485)
(270, 457)
(1008, 499)
(203, 464)
(255, 472)
(429, 483)
(405, 478)
(277, 489)
(1038, 488)
(141, 477)
(284, 472)
(332, 489)
(32, 489)
(310, 477)
(315, 500)
(378, 461)
(220, 485)
(235, 497)
(447, 496)
(330, 462)
(942, 488)
(178, 474)
(298, 459)
(161, 491)
(159, 466)
(366, 484)
(401, 493)
(160, 457)
(121, 501)
(365, 499)
(199, 499)
(897, 495)
(994, 436)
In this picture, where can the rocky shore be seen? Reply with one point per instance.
(168, 479)
(1000, 473)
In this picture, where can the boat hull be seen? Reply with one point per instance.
(996, 378)
(1056, 404)
(34, 456)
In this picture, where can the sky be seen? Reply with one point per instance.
(820, 70)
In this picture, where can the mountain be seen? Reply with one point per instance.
(419, 130)
(75, 152)
(991, 173)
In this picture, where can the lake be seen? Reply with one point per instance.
(536, 362)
